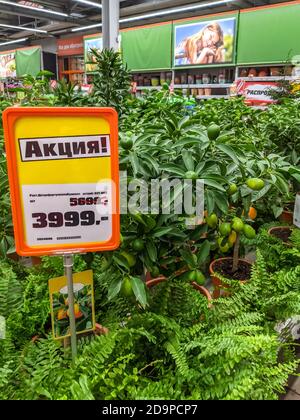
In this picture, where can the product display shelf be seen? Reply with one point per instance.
(148, 87)
(268, 78)
(212, 96)
(204, 86)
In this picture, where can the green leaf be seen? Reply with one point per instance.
(173, 169)
(221, 202)
(296, 177)
(185, 122)
(188, 160)
(282, 185)
(152, 162)
(203, 252)
(277, 211)
(188, 257)
(188, 141)
(135, 164)
(139, 290)
(214, 184)
(210, 199)
(261, 193)
(200, 168)
(114, 288)
(229, 151)
(196, 234)
(141, 139)
(152, 251)
(158, 233)
(120, 260)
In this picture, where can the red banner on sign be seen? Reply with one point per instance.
(70, 46)
(256, 93)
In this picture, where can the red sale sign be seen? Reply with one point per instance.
(256, 93)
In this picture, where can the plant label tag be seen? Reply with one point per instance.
(297, 211)
(83, 304)
(64, 179)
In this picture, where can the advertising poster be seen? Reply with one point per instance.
(83, 304)
(8, 65)
(90, 44)
(256, 93)
(209, 42)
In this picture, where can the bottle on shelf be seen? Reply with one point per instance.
(155, 81)
(252, 73)
(191, 79)
(222, 78)
(177, 80)
(169, 77)
(198, 79)
(184, 79)
(141, 80)
(206, 79)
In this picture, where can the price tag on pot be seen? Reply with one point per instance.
(63, 175)
(297, 211)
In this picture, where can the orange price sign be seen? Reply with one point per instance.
(64, 179)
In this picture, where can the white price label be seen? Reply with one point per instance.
(297, 211)
(67, 213)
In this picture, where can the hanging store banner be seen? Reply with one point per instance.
(70, 46)
(8, 65)
(83, 304)
(256, 93)
(205, 42)
(63, 175)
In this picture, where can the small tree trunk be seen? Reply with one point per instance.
(236, 254)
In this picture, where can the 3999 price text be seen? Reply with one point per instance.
(68, 219)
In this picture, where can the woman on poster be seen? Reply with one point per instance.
(205, 47)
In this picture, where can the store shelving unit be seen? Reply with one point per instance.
(72, 69)
(212, 96)
(268, 78)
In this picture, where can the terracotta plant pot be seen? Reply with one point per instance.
(100, 330)
(287, 216)
(36, 260)
(281, 232)
(218, 285)
(196, 286)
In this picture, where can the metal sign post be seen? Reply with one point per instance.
(68, 265)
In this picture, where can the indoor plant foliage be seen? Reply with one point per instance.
(167, 342)
(111, 80)
(153, 355)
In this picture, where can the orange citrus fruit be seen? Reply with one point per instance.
(252, 213)
(232, 238)
(61, 314)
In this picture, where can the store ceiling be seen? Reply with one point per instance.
(71, 14)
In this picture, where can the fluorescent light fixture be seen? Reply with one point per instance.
(13, 42)
(175, 10)
(89, 3)
(37, 9)
(159, 13)
(2, 25)
(83, 28)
